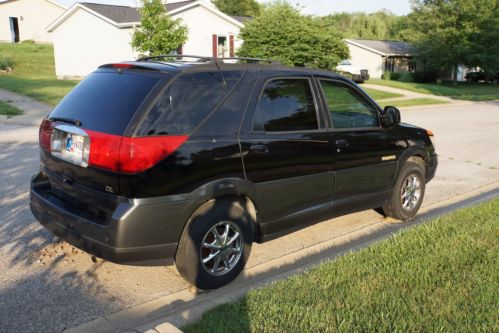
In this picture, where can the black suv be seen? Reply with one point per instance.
(194, 160)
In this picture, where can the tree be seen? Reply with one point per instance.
(486, 44)
(238, 7)
(379, 25)
(158, 32)
(449, 33)
(282, 33)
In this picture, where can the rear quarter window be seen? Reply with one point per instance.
(186, 102)
(106, 101)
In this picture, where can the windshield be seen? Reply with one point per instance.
(105, 101)
(345, 63)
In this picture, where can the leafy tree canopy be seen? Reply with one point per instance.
(381, 25)
(158, 32)
(238, 7)
(282, 33)
(449, 33)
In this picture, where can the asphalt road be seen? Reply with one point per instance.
(47, 286)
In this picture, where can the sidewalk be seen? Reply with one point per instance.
(410, 94)
(33, 110)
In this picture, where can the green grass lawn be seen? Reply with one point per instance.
(442, 276)
(34, 73)
(378, 94)
(8, 110)
(466, 91)
(411, 102)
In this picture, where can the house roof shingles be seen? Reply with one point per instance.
(389, 48)
(126, 14)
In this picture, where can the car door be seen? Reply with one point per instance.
(287, 154)
(364, 159)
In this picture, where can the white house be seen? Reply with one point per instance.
(380, 56)
(27, 19)
(88, 35)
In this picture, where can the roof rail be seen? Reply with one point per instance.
(253, 60)
(178, 57)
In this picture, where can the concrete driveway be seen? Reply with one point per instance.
(46, 286)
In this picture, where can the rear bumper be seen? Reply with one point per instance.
(138, 232)
(360, 77)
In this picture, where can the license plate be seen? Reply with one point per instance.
(74, 145)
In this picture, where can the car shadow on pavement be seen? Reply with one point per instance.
(34, 295)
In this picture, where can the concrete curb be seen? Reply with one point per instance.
(167, 313)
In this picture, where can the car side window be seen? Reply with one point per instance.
(347, 107)
(188, 100)
(286, 105)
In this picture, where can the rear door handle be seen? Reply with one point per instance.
(260, 149)
(341, 143)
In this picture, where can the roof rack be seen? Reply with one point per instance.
(178, 57)
(253, 60)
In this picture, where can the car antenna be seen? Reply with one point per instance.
(224, 83)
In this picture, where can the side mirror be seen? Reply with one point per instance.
(390, 116)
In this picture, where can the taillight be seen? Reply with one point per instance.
(122, 66)
(45, 133)
(139, 154)
(130, 155)
(104, 150)
(108, 151)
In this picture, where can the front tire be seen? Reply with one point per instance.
(215, 244)
(408, 192)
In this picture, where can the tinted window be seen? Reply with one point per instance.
(286, 105)
(347, 107)
(187, 102)
(106, 102)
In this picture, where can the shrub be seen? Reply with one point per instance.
(406, 77)
(6, 64)
(28, 41)
(425, 77)
(385, 76)
(395, 76)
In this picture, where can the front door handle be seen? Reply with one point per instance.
(341, 143)
(260, 149)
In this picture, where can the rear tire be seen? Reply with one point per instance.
(215, 244)
(408, 192)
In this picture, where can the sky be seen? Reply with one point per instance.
(312, 7)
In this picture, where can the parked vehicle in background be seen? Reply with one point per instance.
(196, 160)
(482, 76)
(356, 74)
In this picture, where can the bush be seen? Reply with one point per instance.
(406, 77)
(385, 76)
(395, 76)
(6, 64)
(425, 77)
(28, 41)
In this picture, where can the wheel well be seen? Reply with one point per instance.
(419, 160)
(247, 204)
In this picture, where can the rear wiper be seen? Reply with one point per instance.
(67, 120)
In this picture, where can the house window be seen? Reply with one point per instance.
(223, 46)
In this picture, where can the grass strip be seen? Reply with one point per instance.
(442, 276)
(8, 110)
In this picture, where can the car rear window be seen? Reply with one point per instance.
(186, 102)
(105, 101)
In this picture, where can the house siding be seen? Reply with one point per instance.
(366, 59)
(36, 16)
(202, 25)
(84, 42)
